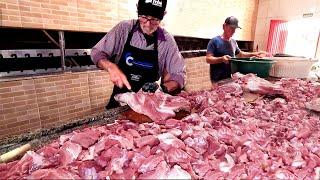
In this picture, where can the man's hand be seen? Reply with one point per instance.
(260, 54)
(225, 58)
(211, 59)
(171, 87)
(116, 75)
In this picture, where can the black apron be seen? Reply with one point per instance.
(140, 66)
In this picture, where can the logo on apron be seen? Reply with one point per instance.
(135, 77)
(130, 61)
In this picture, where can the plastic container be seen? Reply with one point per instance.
(291, 67)
(261, 67)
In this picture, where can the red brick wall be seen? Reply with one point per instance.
(84, 15)
(198, 77)
(192, 18)
(39, 102)
(18, 107)
(100, 88)
(30, 103)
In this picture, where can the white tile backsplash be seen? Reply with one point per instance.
(317, 7)
(281, 10)
(263, 9)
(285, 9)
(274, 8)
(262, 26)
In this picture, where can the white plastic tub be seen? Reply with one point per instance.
(291, 67)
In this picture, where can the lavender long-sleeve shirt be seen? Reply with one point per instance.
(170, 59)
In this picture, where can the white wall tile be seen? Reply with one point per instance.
(317, 6)
(263, 9)
(285, 9)
(309, 6)
(262, 26)
(274, 8)
(281, 10)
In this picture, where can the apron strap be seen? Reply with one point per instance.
(131, 33)
(155, 46)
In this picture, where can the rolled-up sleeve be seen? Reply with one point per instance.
(175, 63)
(98, 52)
(110, 45)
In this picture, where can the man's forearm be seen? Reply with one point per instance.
(250, 54)
(169, 83)
(214, 60)
(104, 64)
(245, 54)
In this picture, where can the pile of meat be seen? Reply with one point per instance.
(157, 106)
(272, 138)
(314, 105)
(252, 83)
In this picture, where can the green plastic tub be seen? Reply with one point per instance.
(261, 67)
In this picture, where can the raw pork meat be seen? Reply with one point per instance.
(252, 83)
(231, 88)
(157, 106)
(314, 105)
(53, 174)
(225, 138)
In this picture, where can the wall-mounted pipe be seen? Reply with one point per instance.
(317, 53)
(62, 50)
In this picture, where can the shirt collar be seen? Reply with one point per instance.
(160, 32)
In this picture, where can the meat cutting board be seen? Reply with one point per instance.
(135, 117)
(141, 118)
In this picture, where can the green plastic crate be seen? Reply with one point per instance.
(261, 67)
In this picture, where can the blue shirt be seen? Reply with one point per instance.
(219, 47)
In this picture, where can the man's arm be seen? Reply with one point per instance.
(243, 54)
(173, 77)
(115, 74)
(173, 82)
(211, 59)
(169, 85)
(110, 45)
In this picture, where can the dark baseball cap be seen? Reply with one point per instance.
(154, 8)
(232, 21)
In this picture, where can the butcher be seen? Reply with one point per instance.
(222, 48)
(140, 51)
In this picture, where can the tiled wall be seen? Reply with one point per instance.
(201, 18)
(281, 10)
(204, 18)
(30, 103)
